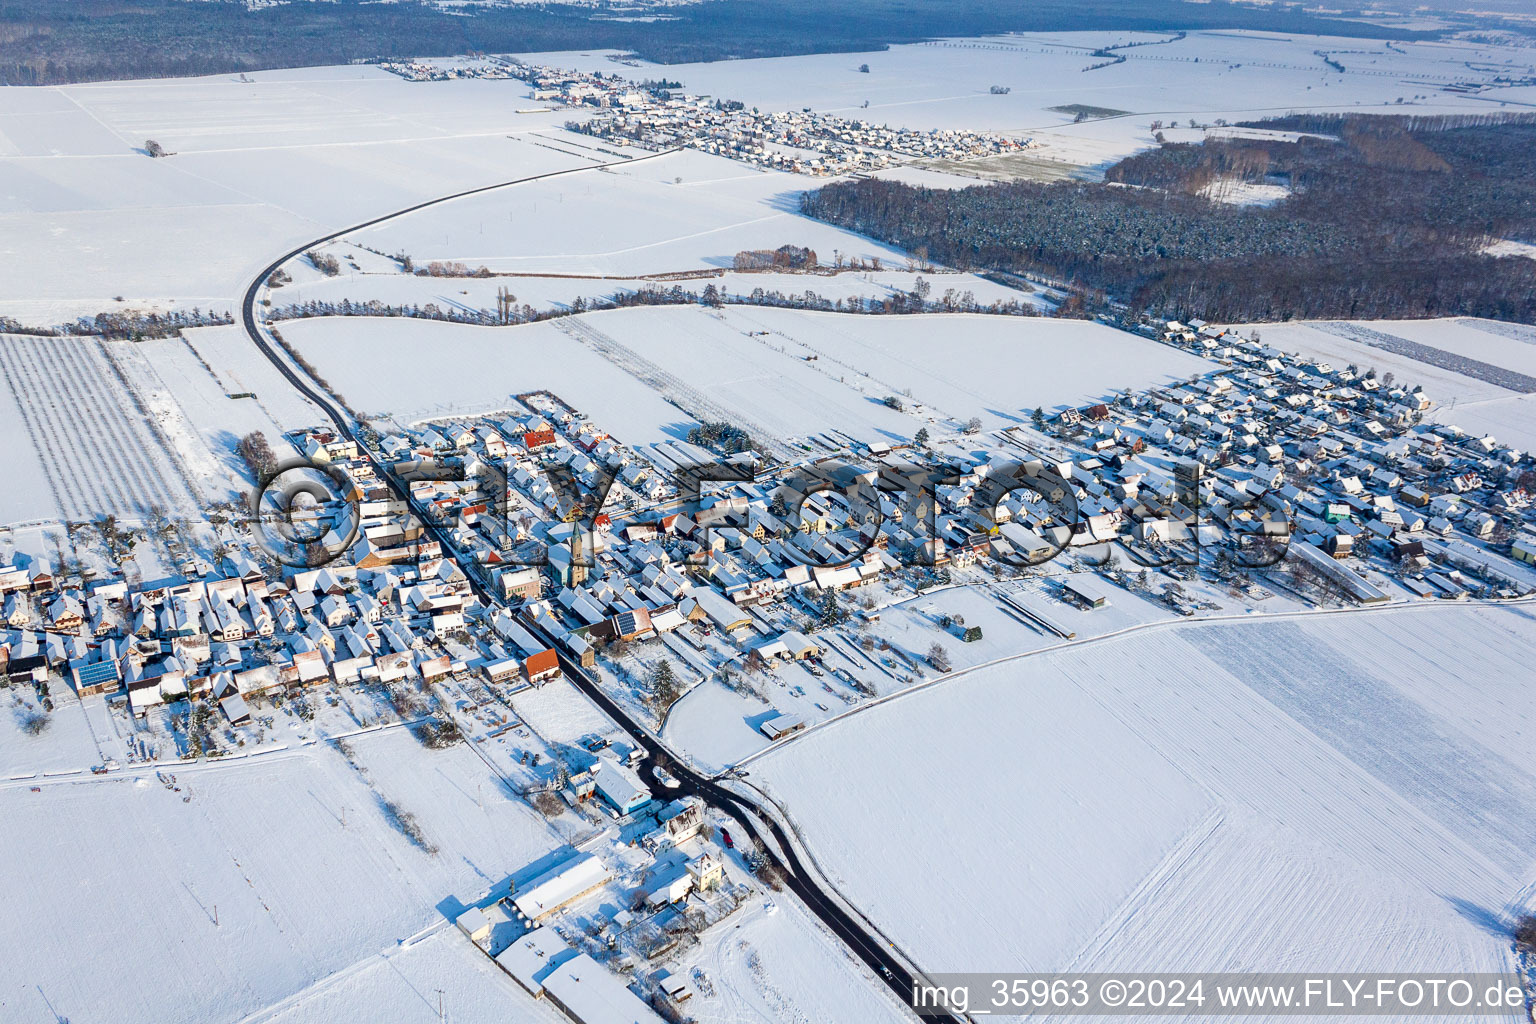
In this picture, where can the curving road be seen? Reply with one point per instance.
(870, 949)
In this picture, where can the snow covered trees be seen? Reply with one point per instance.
(666, 688)
(256, 454)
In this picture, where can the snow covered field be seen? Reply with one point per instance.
(752, 365)
(474, 294)
(256, 167)
(401, 984)
(1338, 791)
(278, 872)
(421, 369)
(962, 365)
(94, 438)
(675, 211)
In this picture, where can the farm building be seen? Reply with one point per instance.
(780, 726)
(590, 994)
(534, 957)
(560, 886)
(1088, 590)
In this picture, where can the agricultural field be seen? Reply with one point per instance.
(1282, 784)
(411, 370)
(101, 450)
(265, 162)
(790, 374)
(279, 876)
(998, 368)
(256, 167)
(673, 211)
(1334, 791)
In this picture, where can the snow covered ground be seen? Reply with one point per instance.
(273, 875)
(95, 435)
(675, 211)
(402, 984)
(422, 369)
(753, 363)
(265, 163)
(962, 365)
(28, 494)
(717, 726)
(256, 167)
(1336, 791)
(774, 962)
(238, 367)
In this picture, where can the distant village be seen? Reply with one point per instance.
(661, 115)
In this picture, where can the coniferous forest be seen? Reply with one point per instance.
(1381, 216)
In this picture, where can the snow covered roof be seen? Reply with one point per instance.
(559, 886)
(590, 993)
(533, 957)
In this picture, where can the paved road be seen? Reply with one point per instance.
(870, 949)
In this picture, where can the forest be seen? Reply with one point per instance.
(1382, 217)
(45, 42)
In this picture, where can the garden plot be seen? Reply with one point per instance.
(773, 961)
(64, 742)
(563, 715)
(99, 448)
(1337, 791)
